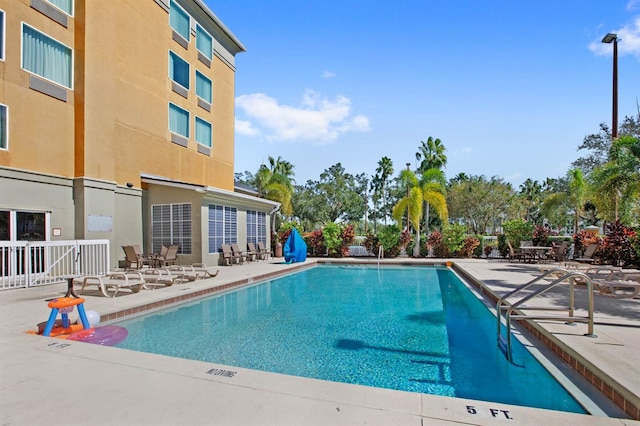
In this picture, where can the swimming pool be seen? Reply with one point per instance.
(416, 329)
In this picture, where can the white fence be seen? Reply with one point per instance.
(35, 263)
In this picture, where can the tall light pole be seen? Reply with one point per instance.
(613, 38)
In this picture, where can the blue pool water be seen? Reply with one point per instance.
(415, 329)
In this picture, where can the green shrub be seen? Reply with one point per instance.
(518, 230)
(503, 248)
(389, 238)
(331, 233)
(453, 237)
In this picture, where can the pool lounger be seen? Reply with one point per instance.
(157, 276)
(193, 272)
(116, 280)
(204, 271)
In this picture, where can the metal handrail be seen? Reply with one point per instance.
(566, 276)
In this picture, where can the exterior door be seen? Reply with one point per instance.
(21, 226)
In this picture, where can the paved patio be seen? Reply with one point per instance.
(47, 380)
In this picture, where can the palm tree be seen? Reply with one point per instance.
(432, 180)
(380, 181)
(530, 191)
(433, 159)
(432, 155)
(619, 178)
(417, 194)
(574, 198)
(276, 183)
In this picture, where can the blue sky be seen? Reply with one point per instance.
(510, 87)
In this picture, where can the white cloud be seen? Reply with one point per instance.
(628, 40)
(465, 150)
(633, 5)
(328, 74)
(317, 118)
(244, 127)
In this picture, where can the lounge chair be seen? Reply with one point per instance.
(264, 252)
(131, 258)
(620, 284)
(157, 276)
(204, 271)
(183, 273)
(229, 256)
(193, 272)
(239, 253)
(252, 252)
(115, 280)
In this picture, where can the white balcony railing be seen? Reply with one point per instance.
(34, 263)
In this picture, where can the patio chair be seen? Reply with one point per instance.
(170, 258)
(559, 251)
(115, 281)
(515, 254)
(264, 252)
(587, 256)
(131, 258)
(252, 252)
(228, 255)
(239, 253)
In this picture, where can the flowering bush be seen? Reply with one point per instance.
(315, 242)
(616, 247)
(582, 239)
(541, 235)
(348, 236)
(469, 245)
(435, 242)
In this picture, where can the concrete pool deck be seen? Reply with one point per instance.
(48, 380)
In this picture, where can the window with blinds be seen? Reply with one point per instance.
(171, 224)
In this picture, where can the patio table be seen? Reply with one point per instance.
(535, 252)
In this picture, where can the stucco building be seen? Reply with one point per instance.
(117, 122)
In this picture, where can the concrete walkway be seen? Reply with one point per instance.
(47, 381)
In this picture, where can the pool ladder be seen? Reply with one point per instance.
(513, 311)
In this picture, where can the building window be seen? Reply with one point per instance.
(64, 5)
(223, 227)
(256, 227)
(4, 127)
(178, 120)
(171, 224)
(178, 70)
(46, 57)
(179, 20)
(2, 26)
(204, 42)
(204, 135)
(204, 87)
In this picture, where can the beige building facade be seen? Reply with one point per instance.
(117, 122)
